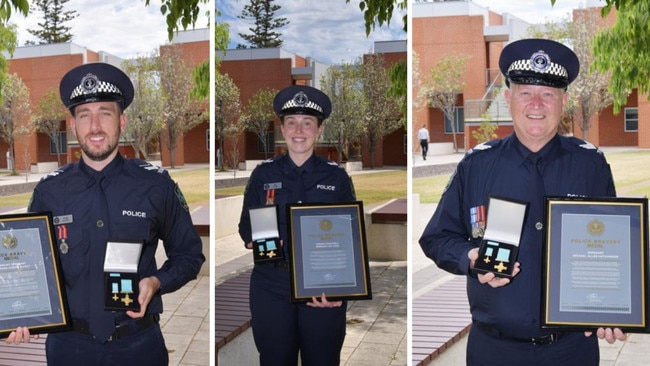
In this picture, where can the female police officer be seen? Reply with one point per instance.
(280, 328)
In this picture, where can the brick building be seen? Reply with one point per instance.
(465, 28)
(41, 67)
(276, 68)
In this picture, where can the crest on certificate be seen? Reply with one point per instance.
(596, 227)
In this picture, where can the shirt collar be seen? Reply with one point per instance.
(307, 166)
(109, 170)
(547, 152)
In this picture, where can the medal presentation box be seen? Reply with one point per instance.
(265, 234)
(499, 248)
(121, 276)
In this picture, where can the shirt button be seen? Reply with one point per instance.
(100, 223)
(539, 226)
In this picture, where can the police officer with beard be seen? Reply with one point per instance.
(106, 198)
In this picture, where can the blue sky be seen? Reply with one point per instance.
(124, 28)
(330, 31)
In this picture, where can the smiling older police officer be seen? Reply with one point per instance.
(281, 329)
(524, 167)
(106, 198)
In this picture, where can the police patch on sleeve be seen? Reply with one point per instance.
(181, 198)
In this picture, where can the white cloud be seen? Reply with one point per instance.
(330, 31)
(537, 11)
(124, 28)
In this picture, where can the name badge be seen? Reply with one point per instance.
(61, 220)
(268, 186)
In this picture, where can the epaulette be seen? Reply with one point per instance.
(332, 163)
(151, 167)
(267, 161)
(483, 146)
(56, 172)
(586, 145)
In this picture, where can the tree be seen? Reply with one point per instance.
(622, 50)
(52, 29)
(22, 6)
(49, 116)
(180, 111)
(145, 120)
(588, 94)
(589, 90)
(8, 43)
(227, 113)
(379, 12)
(345, 126)
(262, 14)
(14, 111)
(443, 87)
(259, 114)
(382, 113)
(184, 11)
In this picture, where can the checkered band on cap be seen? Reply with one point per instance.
(531, 64)
(300, 100)
(90, 84)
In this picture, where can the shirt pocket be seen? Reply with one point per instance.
(74, 256)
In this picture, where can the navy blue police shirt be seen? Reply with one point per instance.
(128, 200)
(278, 178)
(504, 168)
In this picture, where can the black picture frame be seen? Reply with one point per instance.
(328, 251)
(33, 291)
(595, 264)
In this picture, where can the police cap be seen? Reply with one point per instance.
(95, 82)
(300, 99)
(539, 62)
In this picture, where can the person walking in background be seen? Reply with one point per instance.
(423, 137)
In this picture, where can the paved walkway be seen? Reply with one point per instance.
(427, 276)
(185, 322)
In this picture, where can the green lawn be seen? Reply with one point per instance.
(371, 188)
(193, 183)
(631, 173)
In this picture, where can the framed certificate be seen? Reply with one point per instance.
(328, 251)
(32, 291)
(595, 269)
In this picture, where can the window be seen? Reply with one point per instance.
(459, 120)
(631, 119)
(270, 143)
(63, 143)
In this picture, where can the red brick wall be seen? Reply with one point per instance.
(40, 75)
(644, 125)
(437, 37)
(192, 148)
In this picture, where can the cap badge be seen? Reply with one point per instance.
(301, 99)
(540, 61)
(89, 83)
